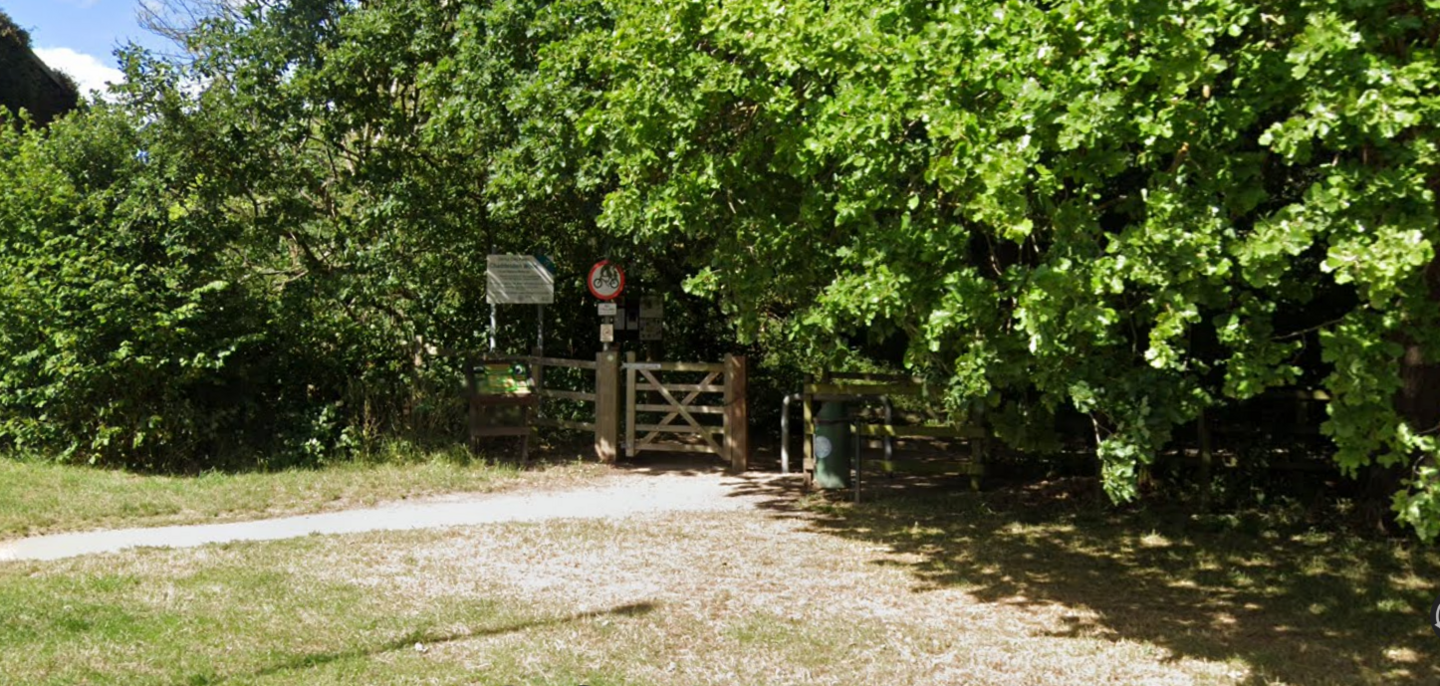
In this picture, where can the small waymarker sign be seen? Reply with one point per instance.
(518, 280)
(606, 280)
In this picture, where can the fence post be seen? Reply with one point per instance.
(630, 406)
(607, 405)
(807, 426)
(537, 380)
(472, 407)
(737, 414)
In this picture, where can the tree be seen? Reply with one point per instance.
(1136, 210)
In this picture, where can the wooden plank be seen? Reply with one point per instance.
(692, 387)
(864, 389)
(692, 367)
(737, 414)
(607, 406)
(568, 395)
(680, 428)
(932, 467)
(563, 424)
(680, 448)
(919, 431)
(697, 409)
(505, 399)
(677, 366)
(488, 431)
(507, 359)
(558, 362)
(884, 378)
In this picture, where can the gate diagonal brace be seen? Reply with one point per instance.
(709, 378)
(679, 410)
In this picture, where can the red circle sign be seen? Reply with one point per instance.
(606, 280)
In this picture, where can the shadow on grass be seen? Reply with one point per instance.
(1293, 605)
(427, 638)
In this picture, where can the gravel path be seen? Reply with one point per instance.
(616, 496)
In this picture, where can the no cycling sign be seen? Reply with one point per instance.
(606, 280)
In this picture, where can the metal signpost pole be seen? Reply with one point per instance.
(492, 328)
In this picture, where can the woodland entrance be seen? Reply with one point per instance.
(692, 407)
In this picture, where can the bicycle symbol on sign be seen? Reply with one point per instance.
(606, 280)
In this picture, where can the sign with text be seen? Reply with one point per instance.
(518, 280)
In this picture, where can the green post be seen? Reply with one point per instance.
(832, 446)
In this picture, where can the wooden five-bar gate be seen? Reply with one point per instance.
(687, 408)
(661, 410)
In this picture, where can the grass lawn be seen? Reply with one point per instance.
(40, 497)
(920, 588)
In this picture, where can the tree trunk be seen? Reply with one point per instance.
(1418, 403)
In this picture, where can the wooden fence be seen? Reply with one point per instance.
(872, 388)
(678, 415)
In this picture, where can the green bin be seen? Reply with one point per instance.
(832, 446)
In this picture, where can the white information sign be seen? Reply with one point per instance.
(607, 309)
(518, 280)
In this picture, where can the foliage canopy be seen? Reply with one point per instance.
(1130, 210)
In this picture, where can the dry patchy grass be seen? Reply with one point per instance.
(42, 497)
(935, 588)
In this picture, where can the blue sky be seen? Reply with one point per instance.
(79, 37)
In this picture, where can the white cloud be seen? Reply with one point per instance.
(88, 71)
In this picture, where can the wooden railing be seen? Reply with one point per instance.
(872, 388)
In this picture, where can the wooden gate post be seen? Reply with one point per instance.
(737, 414)
(607, 406)
(472, 405)
(630, 404)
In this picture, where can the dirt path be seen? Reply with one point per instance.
(624, 494)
